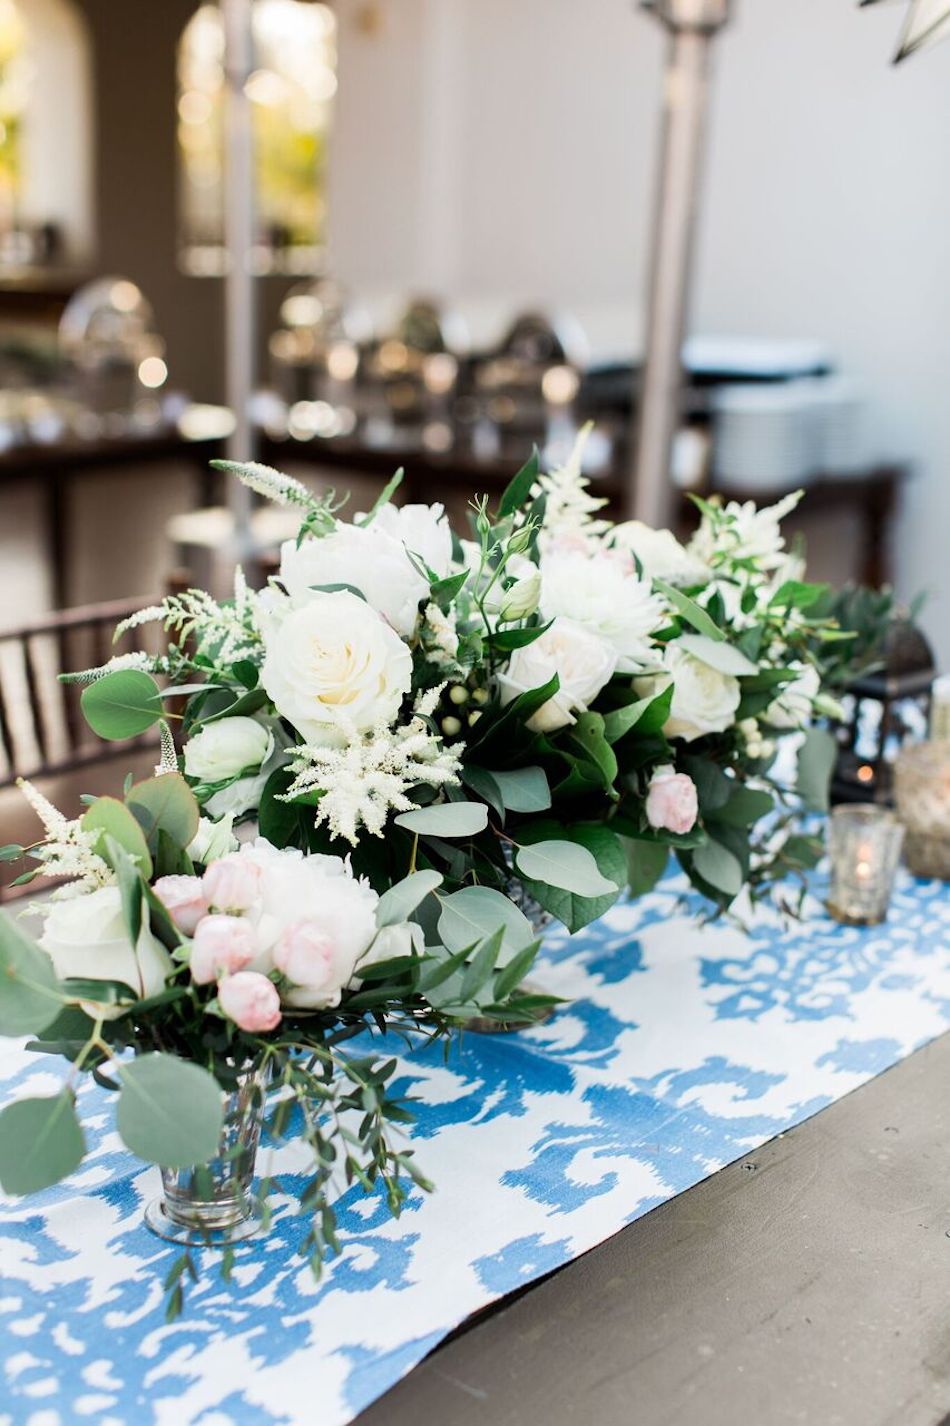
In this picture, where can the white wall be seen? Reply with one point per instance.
(510, 156)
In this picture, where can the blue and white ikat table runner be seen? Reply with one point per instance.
(684, 1047)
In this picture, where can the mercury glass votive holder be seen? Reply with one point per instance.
(922, 791)
(864, 841)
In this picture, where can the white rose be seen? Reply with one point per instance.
(583, 662)
(86, 938)
(660, 553)
(704, 700)
(333, 667)
(312, 915)
(223, 749)
(793, 707)
(598, 594)
(369, 559)
(423, 529)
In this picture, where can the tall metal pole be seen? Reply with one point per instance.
(239, 225)
(691, 25)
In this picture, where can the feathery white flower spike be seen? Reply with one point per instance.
(168, 757)
(139, 660)
(52, 819)
(272, 484)
(569, 505)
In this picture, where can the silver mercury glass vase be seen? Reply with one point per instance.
(212, 1204)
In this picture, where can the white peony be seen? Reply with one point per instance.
(333, 667)
(86, 938)
(312, 916)
(224, 749)
(660, 554)
(367, 558)
(423, 529)
(598, 594)
(704, 700)
(793, 707)
(583, 661)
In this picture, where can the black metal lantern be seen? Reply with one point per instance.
(885, 711)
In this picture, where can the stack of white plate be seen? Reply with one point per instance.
(778, 435)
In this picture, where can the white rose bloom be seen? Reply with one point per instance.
(598, 594)
(227, 747)
(423, 529)
(369, 559)
(704, 700)
(334, 667)
(793, 707)
(660, 554)
(86, 938)
(320, 894)
(583, 661)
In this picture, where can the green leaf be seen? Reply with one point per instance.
(566, 865)
(510, 976)
(485, 786)
(384, 496)
(110, 818)
(524, 790)
(713, 787)
(446, 819)
(794, 594)
(745, 807)
(477, 972)
(444, 591)
(816, 763)
(514, 714)
(587, 735)
(398, 903)
(10, 852)
(340, 587)
(250, 702)
(170, 1111)
(131, 887)
(723, 657)
(689, 610)
(122, 705)
(30, 995)
(622, 720)
(279, 821)
(717, 865)
(469, 915)
(646, 863)
(245, 671)
(505, 640)
(519, 487)
(577, 911)
(40, 1143)
(165, 804)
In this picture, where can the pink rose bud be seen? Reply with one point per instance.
(672, 805)
(304, 953)
(232, 883)
(222, 945)
(183, 899)
(250, 1000)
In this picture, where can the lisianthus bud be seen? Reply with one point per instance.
(222, 944)
(232, 883)
(522, 598)
(251, 1001)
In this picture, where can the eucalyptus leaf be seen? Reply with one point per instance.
(565, 865)
(646, 863)
(30, 994)
(816, 762)
(41, 1141)
(476, 912)
(400, 901)
(723, 657)
(607, 850)
(112, 820)
(170, 1111)
(689, 610)
(165, 804)
(122, 704)
(446, 819)
(524, 790)
(717, 865)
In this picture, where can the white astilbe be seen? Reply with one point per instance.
(68, 848)
(364, 782)
(272, 484)
(440, 634)
(228, 631)
(569, 506)
(168, 757)
(139, 660)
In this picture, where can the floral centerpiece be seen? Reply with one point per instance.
(422, 735)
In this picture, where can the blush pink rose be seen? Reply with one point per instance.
(232, 883)
(222, 945)
(251, 1001)
(183, 899)
(672, 805)
(305, 954)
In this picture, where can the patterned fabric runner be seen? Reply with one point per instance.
(684, 1047)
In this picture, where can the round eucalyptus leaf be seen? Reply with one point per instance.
(170, 1111)
(30, 997)
(122, 704)
(564, 864)
(41, 1141)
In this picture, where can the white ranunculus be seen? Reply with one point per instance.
(369, 559)
(227, 747)
(583, 661)
(86, 938)
(334, 667)
(704, 700)
(599, 595)
(423, 529)
(793, 707)
(660, 553)
(212, 840)
(307, 901)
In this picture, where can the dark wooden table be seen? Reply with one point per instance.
(806, 1284)
(429, 475)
